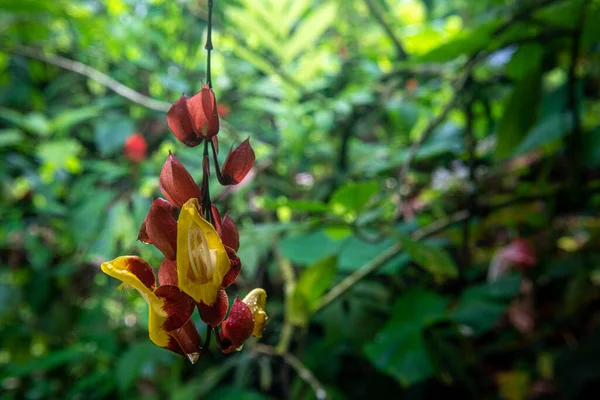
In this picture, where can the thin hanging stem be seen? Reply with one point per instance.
(216, 162)
(206, 202)
(208, 336)
(209, 45)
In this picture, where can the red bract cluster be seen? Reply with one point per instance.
(199, 246)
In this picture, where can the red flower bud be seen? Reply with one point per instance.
(167, 273)
(214, 314)
(135, 148)
(234, 269)
(227, 229)
(202, 108)
(237, 164)
(230, 234)
(176, 183)
(160, 228)
(237, 327)
(180, 123)
(520, 253)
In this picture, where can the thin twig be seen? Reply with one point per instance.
(386, 255)
(303, 372)
(376, 12)
(95, 75)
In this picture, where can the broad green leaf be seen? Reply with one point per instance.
(546, 131)
(591, 147)
(10, 137)
(310, 286)
(433, 259)
(34, 122)
(312, 27)
(309, 247)
(130, 364)
(352, 197)
(356, 252)
(398, 349)
(465, 43)
(524, 60)
(48, 362)
(111, 133)
(480, 307)
(520, 113)
(71, 117)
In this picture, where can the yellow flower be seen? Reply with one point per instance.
(202, 260)
(256, 301)
(169, 309)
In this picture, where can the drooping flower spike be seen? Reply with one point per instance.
(199, 248)
(169, 309)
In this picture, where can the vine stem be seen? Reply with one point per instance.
(209, 45)
(303, 372)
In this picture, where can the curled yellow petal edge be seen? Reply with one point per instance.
(120, 268)
(202, 260)
(256, 301)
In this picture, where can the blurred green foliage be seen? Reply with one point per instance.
(373, 121)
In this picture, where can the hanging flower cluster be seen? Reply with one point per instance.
(199, 246)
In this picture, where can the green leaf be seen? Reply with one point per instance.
(71, 117)
(111, 133)
(308, 248)
(353, 197)
(49, 362)
(520, 113)
(10, 137)
(34, 122)
(546, 131)
(311, 285)
(315, 24)
(591, 147)
(480, 307)
(398, 349)
(524, 60)
(129, 365)
(356, 252)
(247, 22)
(432, 258)
(464, 43)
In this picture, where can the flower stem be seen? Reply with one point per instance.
(206, 203)
(209, 45)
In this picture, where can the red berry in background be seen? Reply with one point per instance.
(135, 147)
(223, 110)
(412, 84)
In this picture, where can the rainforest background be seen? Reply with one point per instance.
(423, 211)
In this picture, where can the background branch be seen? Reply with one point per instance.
(95, 75)
(303, 372)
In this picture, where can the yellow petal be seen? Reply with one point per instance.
(202, 261)
(137, 273)
(256, 301)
